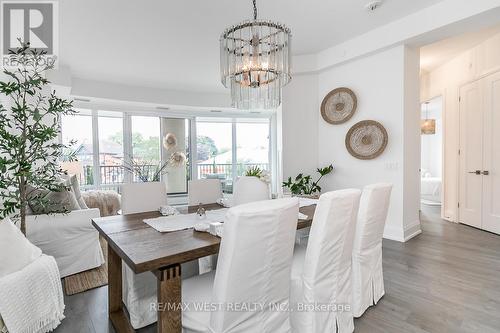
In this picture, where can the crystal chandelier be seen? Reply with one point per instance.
(255, 62)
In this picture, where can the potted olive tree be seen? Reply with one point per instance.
(29, 130)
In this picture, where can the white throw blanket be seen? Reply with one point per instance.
(31, 300)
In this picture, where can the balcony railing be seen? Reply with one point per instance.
(110, 174)
(225, 171)
(115, 174)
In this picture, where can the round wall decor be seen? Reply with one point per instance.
(366, 140)
(339, 106)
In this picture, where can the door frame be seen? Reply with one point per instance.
(441, 95)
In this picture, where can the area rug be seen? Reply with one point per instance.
(90, 279)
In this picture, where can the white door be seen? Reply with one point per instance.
(491, 154)
(471, 154)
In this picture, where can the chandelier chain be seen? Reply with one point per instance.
(254, 9)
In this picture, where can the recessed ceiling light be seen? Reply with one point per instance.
(163, 108)
(373, 5)
(215, 111)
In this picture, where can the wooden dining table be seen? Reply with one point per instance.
(144, 249)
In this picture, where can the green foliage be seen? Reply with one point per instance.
(29, 130)
(147, 149)
(303, 185)
(254, 172)
(206, 148)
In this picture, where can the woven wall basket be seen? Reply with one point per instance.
(339, 106)
(366, 140)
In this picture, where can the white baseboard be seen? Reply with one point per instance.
(412, 230)
(393, 233)
(449, 215)
(398, 235)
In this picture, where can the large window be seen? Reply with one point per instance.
(252, 145)
(214, 142)
(227, 148)
(78, 129)
(111, 152)
(109, 142)
(146, 144)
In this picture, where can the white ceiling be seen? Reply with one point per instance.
(434, 55)
(174, 44)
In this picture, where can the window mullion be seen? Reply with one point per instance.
(273, 157)
(234, 152)
(127, 145)
(193, 149)
(95, 149)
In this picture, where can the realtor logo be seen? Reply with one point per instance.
(29, 21)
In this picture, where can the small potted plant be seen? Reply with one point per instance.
(303, 185)
(263, 175)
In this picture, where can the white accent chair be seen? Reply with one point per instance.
(367, 273)
(249, 189)
(70, 238)
(31, 296)
(204, 191)
(139, 290)
(254, 268)
(321, 273)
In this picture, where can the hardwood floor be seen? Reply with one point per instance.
(447, 279)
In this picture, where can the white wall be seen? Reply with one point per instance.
(299, 126)
(411, 143)
(446, 81)
(379, 83)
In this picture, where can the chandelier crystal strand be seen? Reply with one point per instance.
(255, 62)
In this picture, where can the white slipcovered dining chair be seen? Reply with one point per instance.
(249, 189)
(139, 290)
(254, 268)
(321, 273)
(367, 275)
(204, 191)
(143, 197)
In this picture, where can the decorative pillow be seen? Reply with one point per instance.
(57, 202)
(73, 181)
(16, 251)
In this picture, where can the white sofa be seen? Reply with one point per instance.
(69, 238)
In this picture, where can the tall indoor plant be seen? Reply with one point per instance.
(29, 130)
